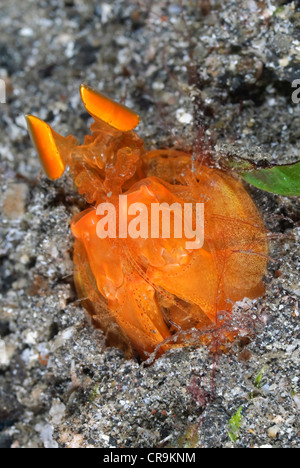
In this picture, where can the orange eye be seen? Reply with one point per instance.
(45, 140)
(103, 108)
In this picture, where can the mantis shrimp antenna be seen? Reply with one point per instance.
(54, 150)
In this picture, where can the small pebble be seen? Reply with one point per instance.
(15, 201)
(273, 432)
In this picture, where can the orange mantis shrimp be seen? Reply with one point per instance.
(145, 291)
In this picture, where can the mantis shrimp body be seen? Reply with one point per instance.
(149, 292)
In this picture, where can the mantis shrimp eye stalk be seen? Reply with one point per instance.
(102, 108)
(152, 292)
(47, 143)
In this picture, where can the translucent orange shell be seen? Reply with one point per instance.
(148, 294)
